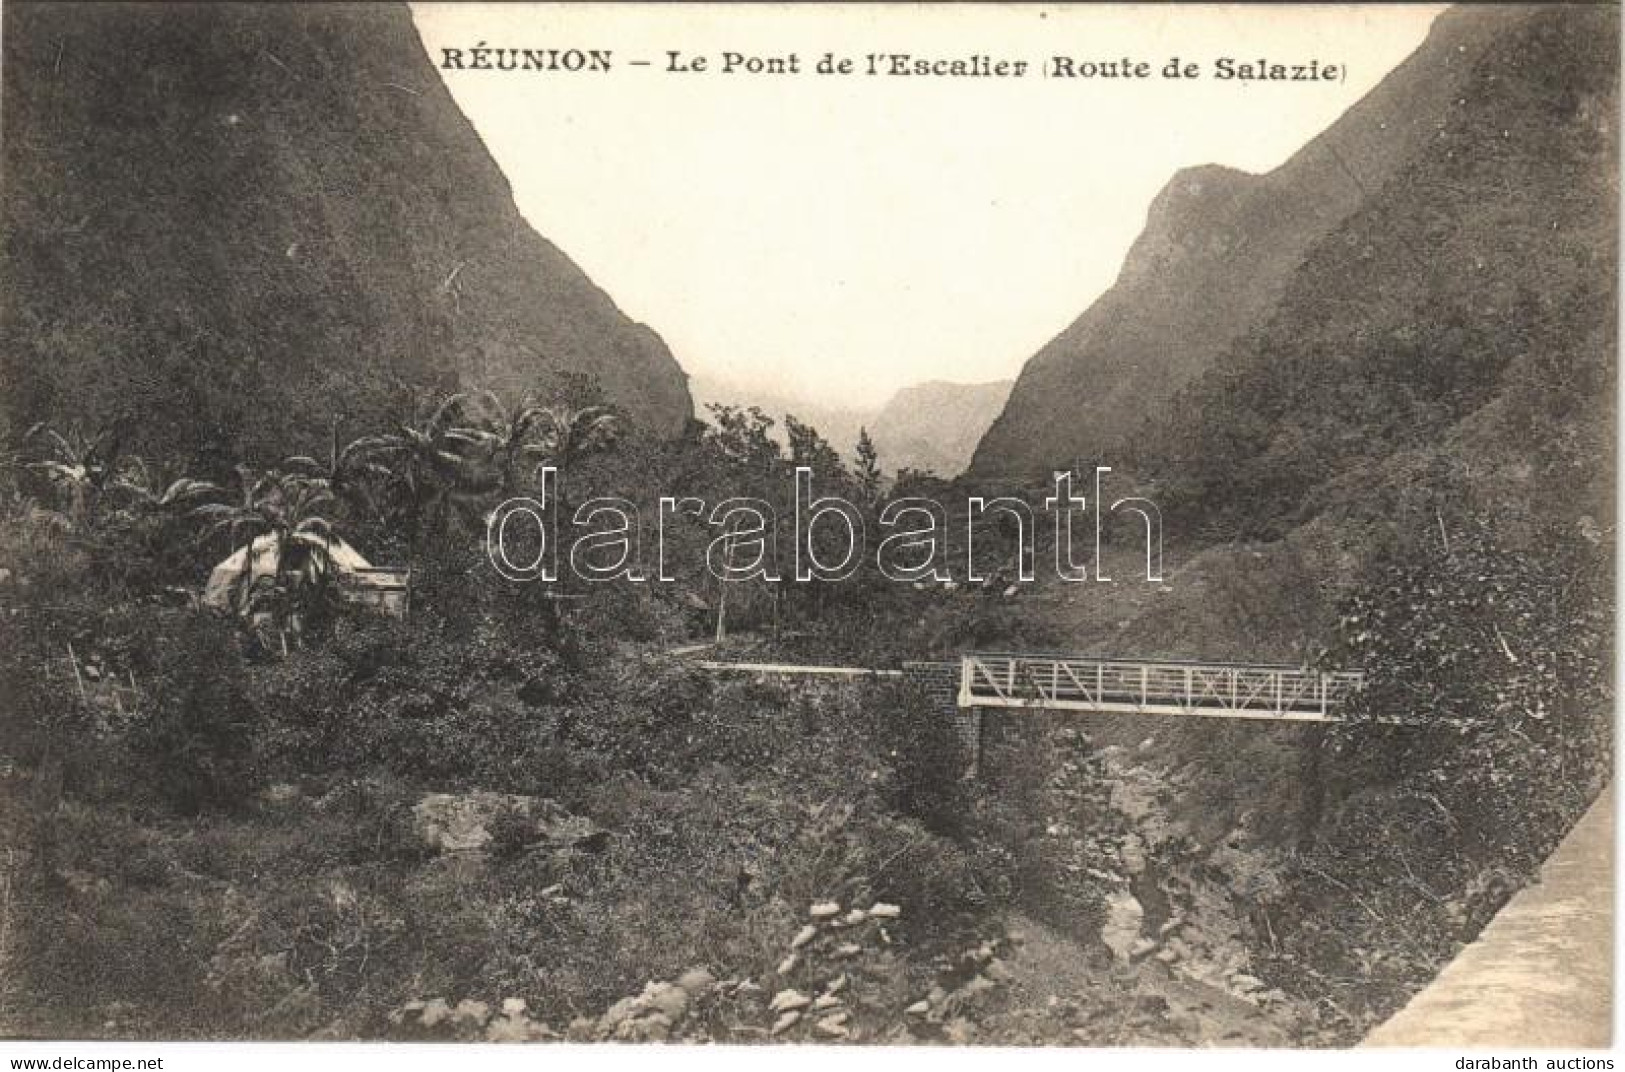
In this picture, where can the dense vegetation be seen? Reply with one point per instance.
(226, 801)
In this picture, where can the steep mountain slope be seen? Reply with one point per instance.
(1218, 248)
(935, 426)
(1462, 317)
(232, 222)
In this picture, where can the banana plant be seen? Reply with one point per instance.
(349, 470)
(80, 465)
(289, 508)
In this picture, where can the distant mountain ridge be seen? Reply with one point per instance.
(234, 223)
(935, 426)
(1217, 251)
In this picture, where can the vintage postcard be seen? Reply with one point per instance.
(817, 525)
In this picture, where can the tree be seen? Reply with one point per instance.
(431, 459)
(567, 435)
(868, 475)
(508, 434)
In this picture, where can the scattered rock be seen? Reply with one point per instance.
(882, 910)
(514, 1026)
(697, 981)
(786, 1022)
(655, 1027)
(471, 1013)
(434, 1012)
(833, 1026)
(803, 936)
(1121, 931)
(786, 1000)
(669, 1000)
(824, 910)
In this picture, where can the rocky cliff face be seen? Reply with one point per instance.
(1218, 248)
(232, 223)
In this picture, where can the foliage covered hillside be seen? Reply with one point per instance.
(1218, 250)
(229, 224)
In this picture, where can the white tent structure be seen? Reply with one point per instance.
(359, 581)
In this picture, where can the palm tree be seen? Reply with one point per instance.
(567, 435)
(507, 434)
(80, 464)
(431, 458)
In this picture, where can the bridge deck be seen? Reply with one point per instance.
(1132, 686)
(1214, 690)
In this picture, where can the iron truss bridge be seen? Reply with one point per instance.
(1210, 690)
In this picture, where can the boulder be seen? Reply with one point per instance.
(669, 1000)
(785, 1000)
(1124, 917)
(463, 822)
(697, 981)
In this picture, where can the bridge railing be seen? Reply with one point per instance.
(1177, 688)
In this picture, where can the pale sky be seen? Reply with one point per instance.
(839, 237)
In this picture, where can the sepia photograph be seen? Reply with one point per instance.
(975, 526)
